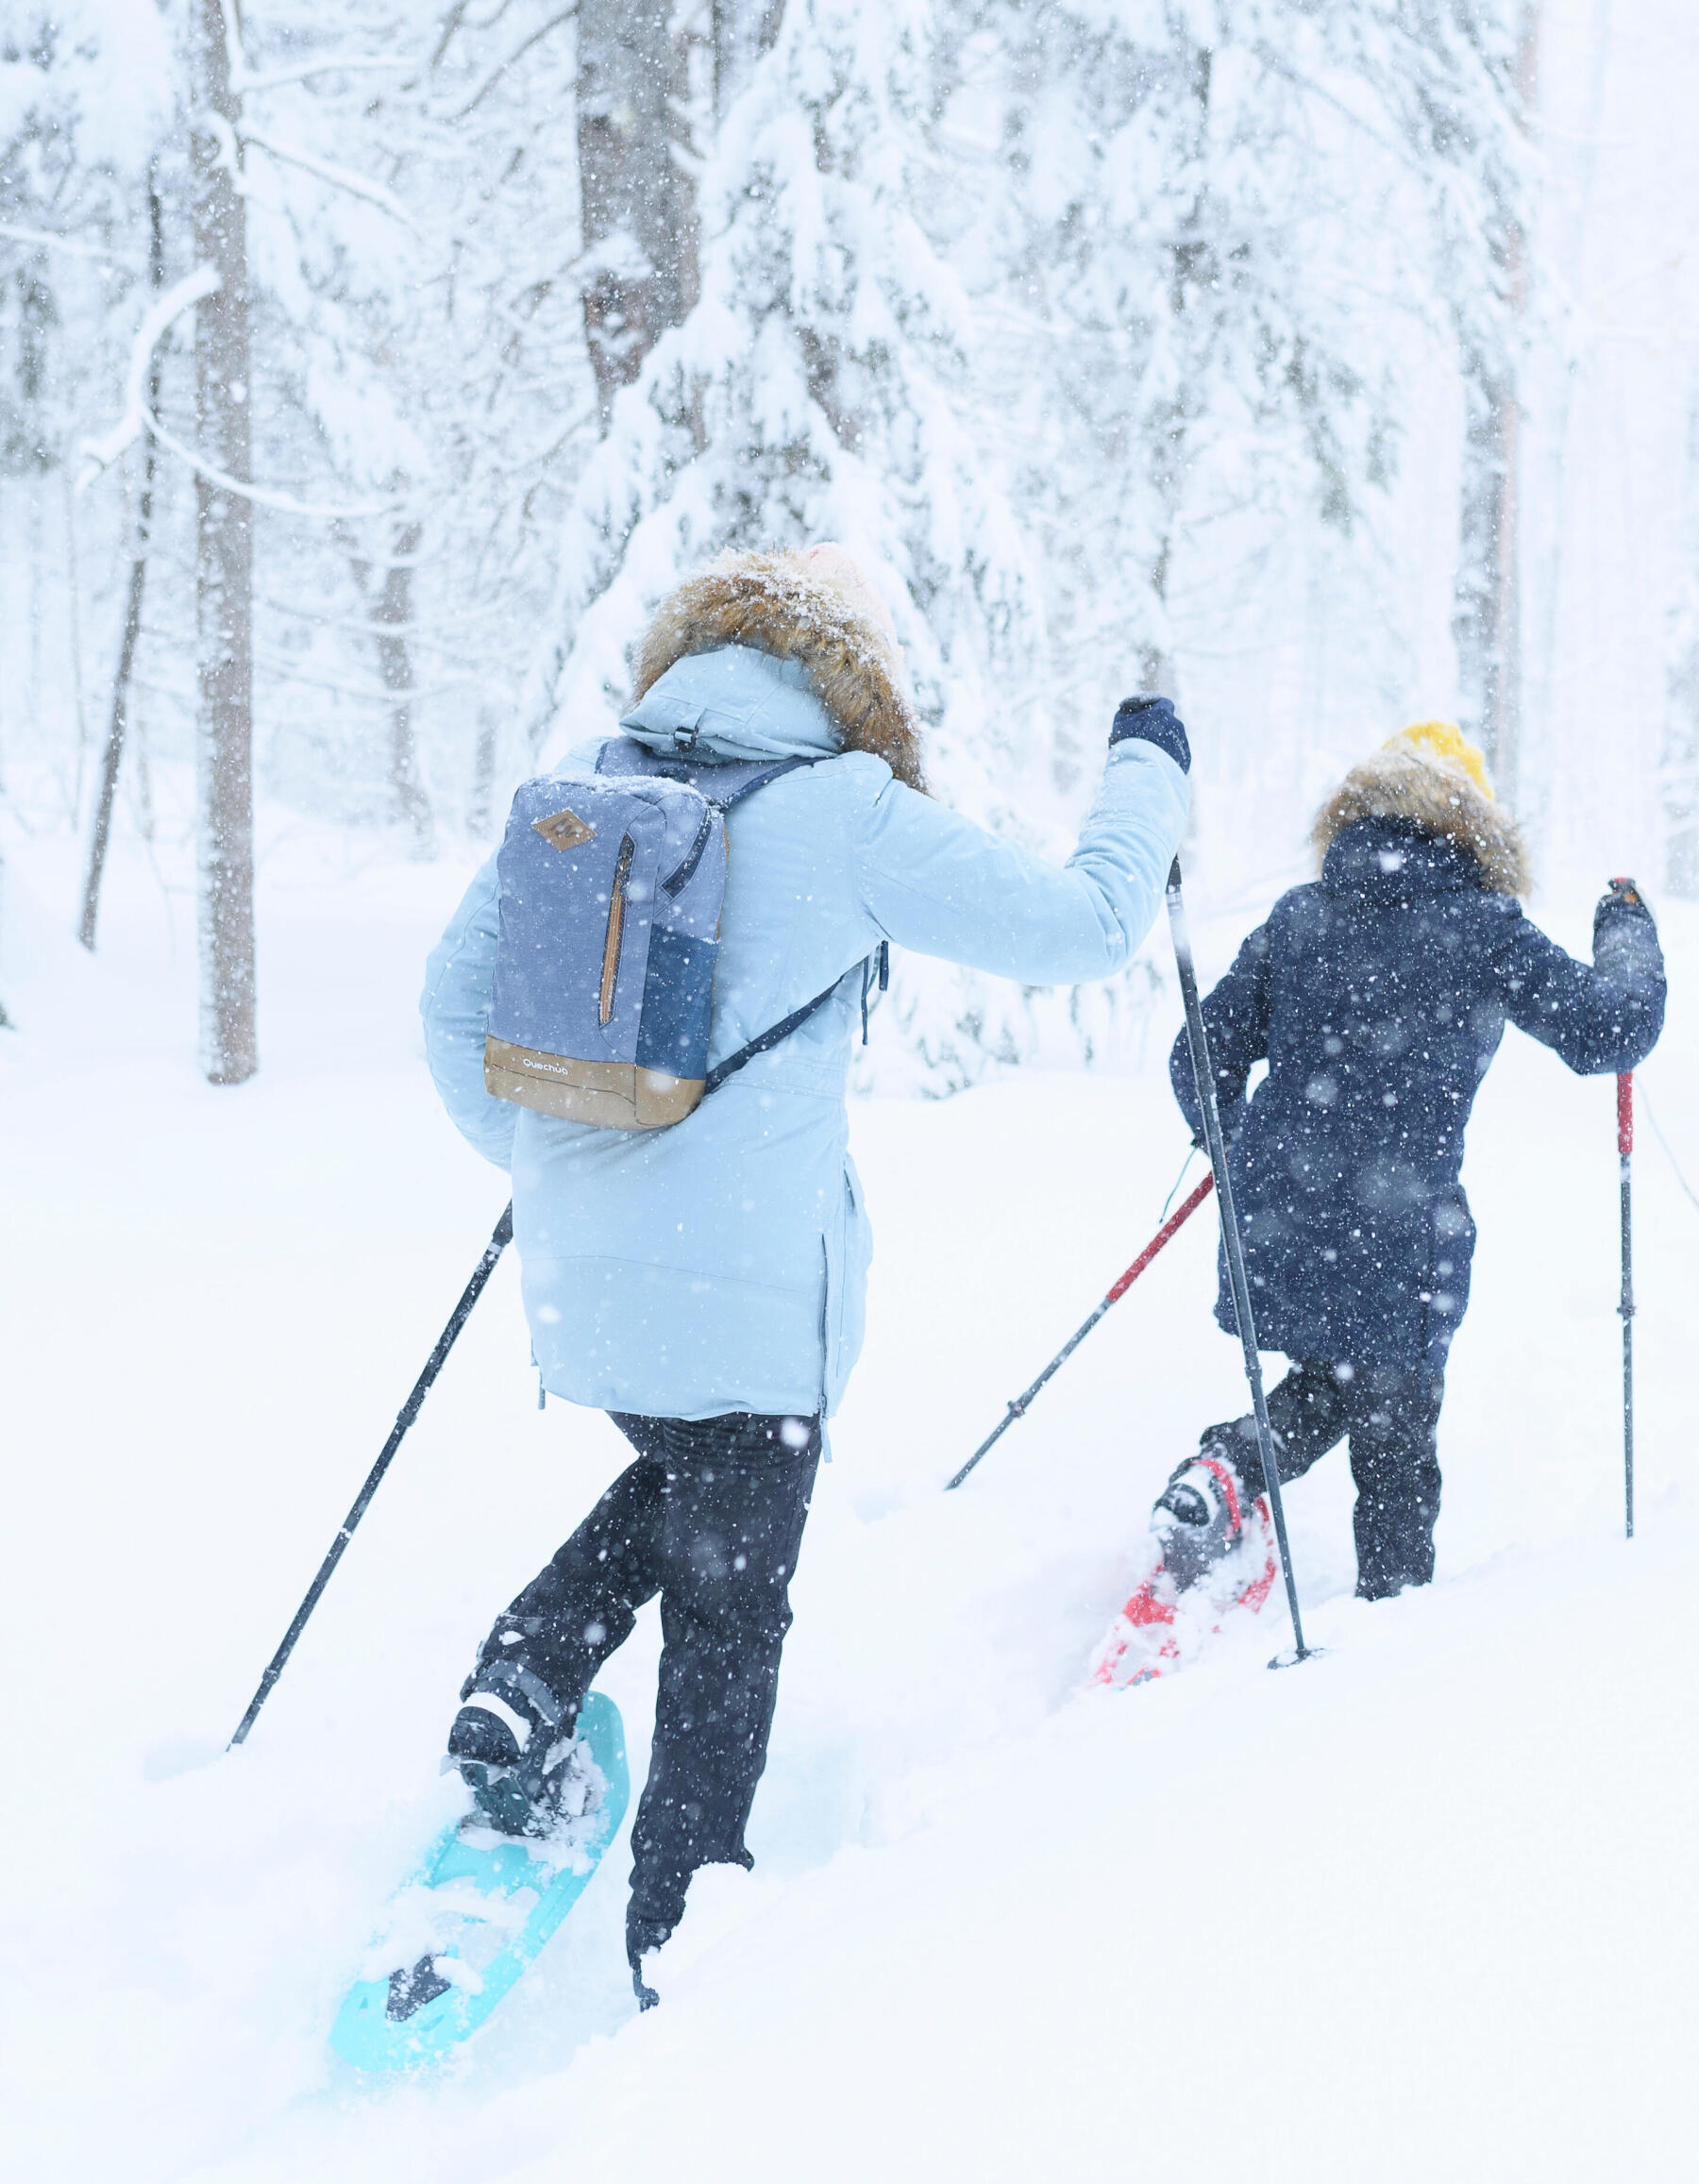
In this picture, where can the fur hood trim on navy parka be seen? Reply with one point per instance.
(776, 603)
(1438, 798)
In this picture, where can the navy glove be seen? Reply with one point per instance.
(1153, 720)
(1626, 939)
(1623, 894)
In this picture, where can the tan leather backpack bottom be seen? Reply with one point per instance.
(608, 1095)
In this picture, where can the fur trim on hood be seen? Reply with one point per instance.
(1442, 800)
(776, 603)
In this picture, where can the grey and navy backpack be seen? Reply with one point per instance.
(610, 890)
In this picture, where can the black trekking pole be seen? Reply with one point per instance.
(410, 1410)
(1196, 1039)
(1626, 1306)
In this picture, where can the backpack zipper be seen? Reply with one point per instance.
(616, 927)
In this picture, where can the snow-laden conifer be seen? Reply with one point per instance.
(818, 390)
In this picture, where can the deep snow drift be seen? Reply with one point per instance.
(1425, 1906)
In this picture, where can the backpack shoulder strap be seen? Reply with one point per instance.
(781, 1030)
(723, 799)
(876, 967)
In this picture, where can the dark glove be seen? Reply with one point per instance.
(1624, 895)
(1152, 720)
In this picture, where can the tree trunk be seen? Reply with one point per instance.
(74, 633)
(1487, 613)
(118, 723)
(393, 617)
(743, 31)
(1167, 452)
(1679, 769)
(636, 202)
(224, 575)
(390, 611)
(484, 774)
(1680, 772)
(1487, 610)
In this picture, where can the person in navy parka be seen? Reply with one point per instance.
(1378, 996)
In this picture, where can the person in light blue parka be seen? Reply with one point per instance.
(705, 1282)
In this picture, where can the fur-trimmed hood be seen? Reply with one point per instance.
(1442, 800)
(781, 605)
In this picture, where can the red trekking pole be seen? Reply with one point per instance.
(1022, 1404)
(1626, 1306)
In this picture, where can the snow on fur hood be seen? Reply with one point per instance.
(1438, 798)
(790, 610)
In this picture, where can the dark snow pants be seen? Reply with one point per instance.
(1391, 1419)
(711, 1517)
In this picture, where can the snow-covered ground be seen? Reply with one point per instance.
(1424, 1907)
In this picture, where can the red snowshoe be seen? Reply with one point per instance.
(1214, 1556)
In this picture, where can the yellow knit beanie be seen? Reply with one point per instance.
(1443, 740)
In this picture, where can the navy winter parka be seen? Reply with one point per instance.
(1378, 997)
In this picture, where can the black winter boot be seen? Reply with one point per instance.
(511, 1741)
(1200, 1518)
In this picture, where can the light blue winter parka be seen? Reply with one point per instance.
(721, 1265)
